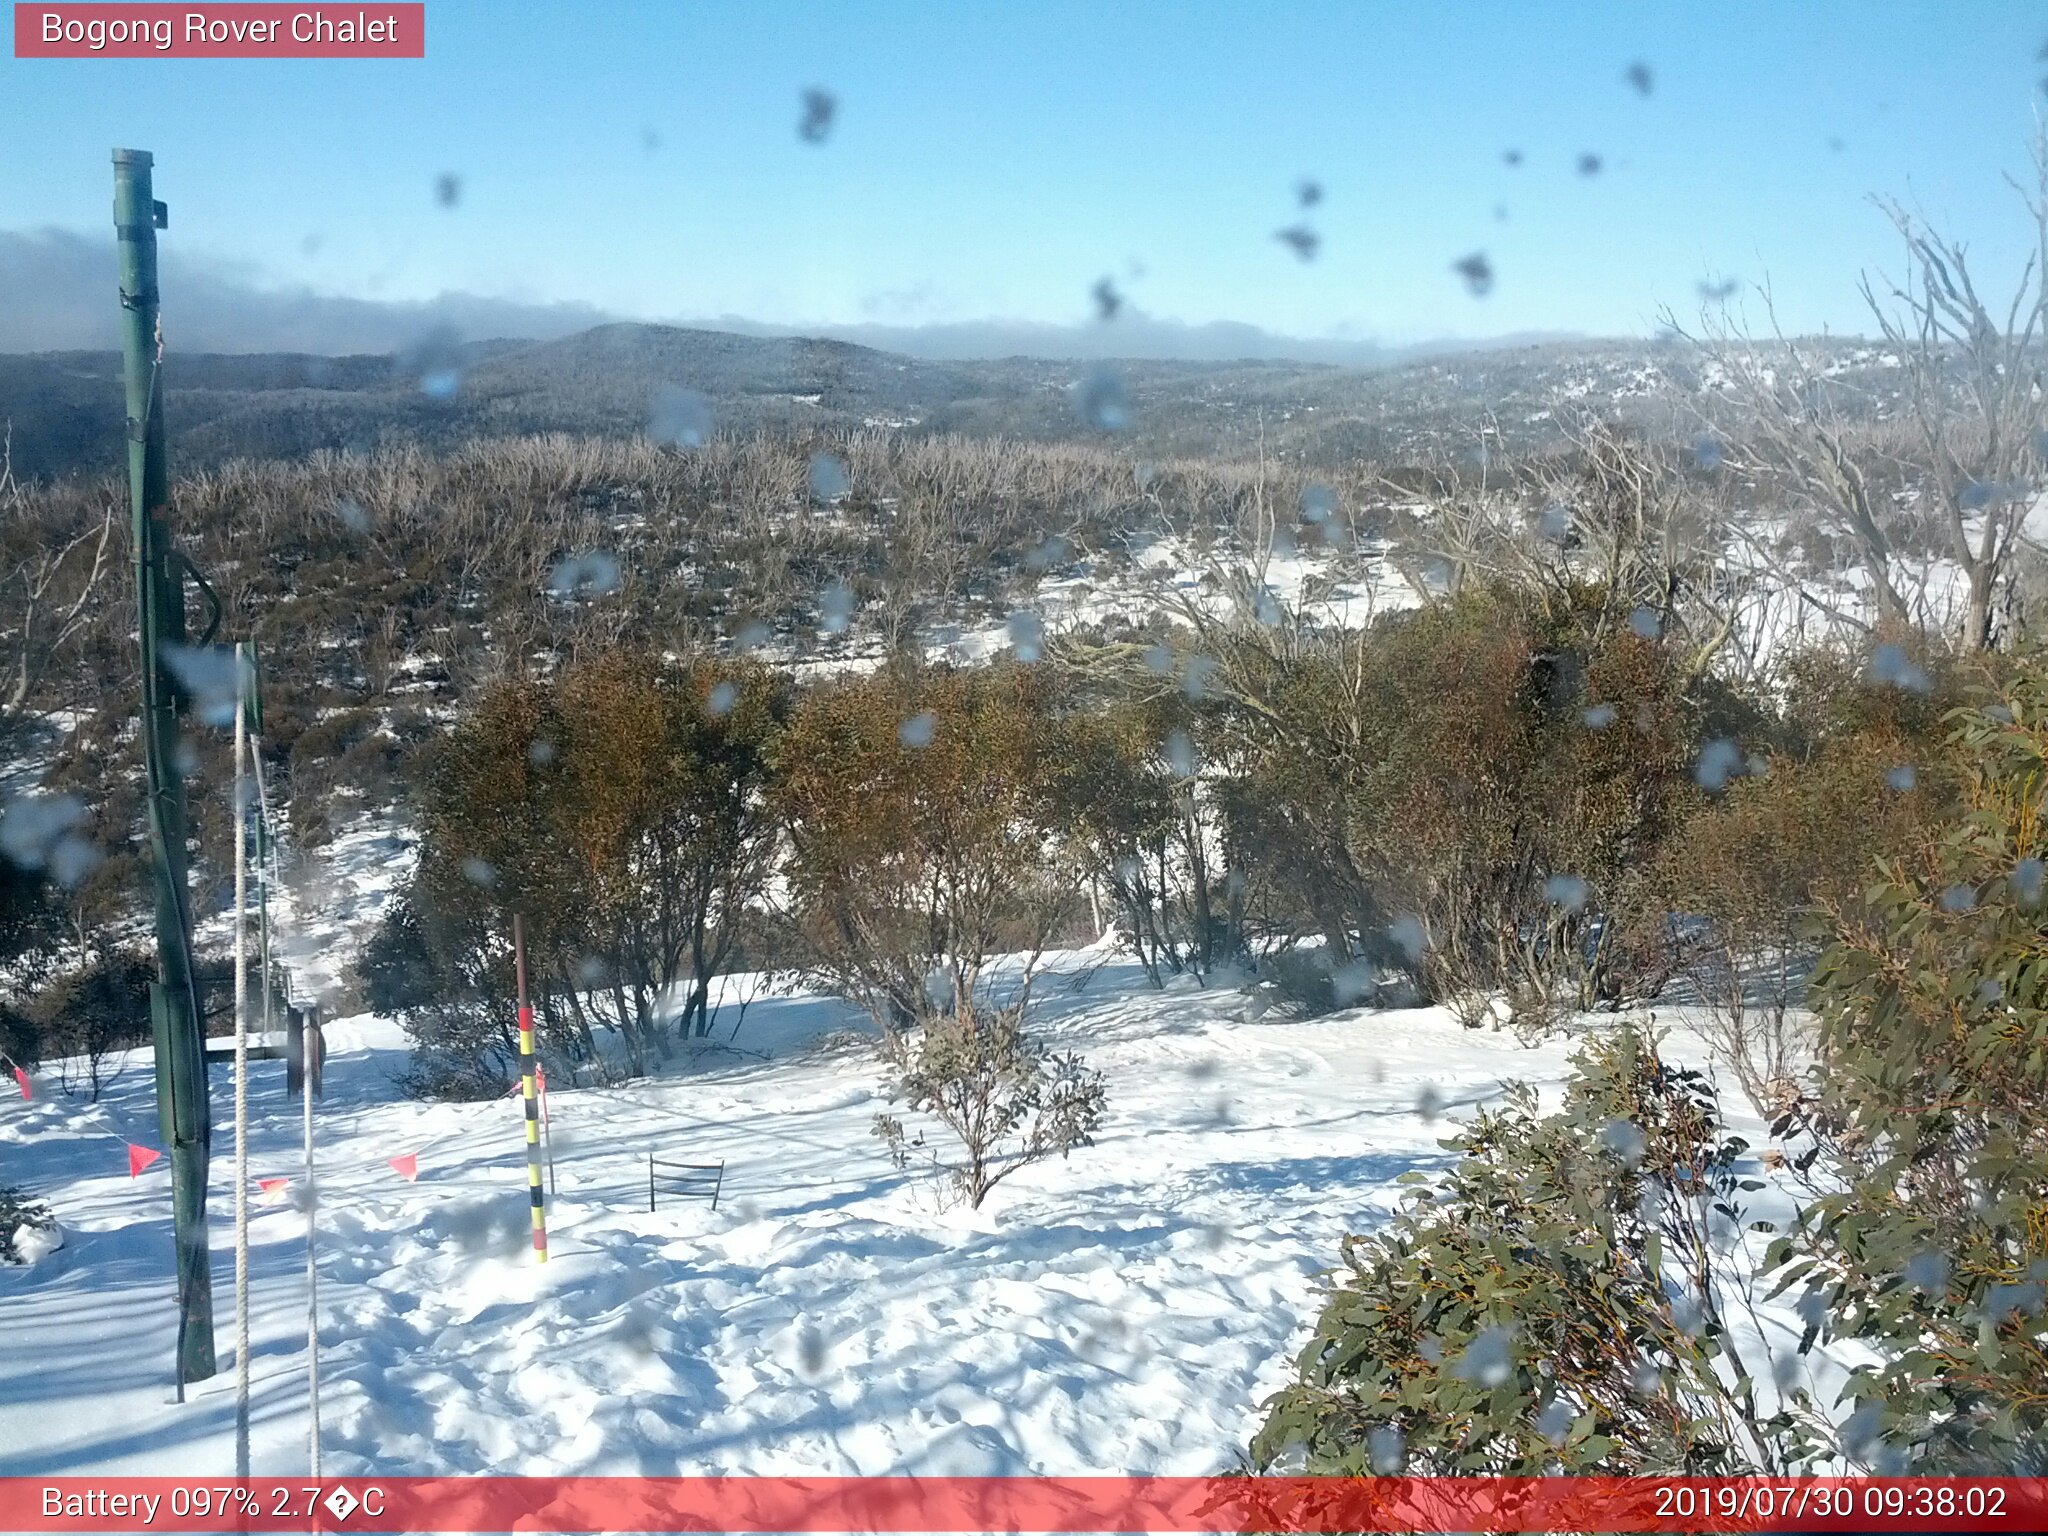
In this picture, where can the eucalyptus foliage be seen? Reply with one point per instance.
(1554, 1305)
(1932, 1108)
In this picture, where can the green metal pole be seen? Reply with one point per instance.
(160, 597)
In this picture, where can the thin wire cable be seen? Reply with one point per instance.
(306, 1055)
(241, 1071)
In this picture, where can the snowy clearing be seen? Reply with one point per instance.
(1126, 1311)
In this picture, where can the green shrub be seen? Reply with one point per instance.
(921, 821)
(90, 1015)
(620, 809)
(1734, 900)
(1932, 1108)
(1553, 1306)
(1007, 1101)
(1490, 776)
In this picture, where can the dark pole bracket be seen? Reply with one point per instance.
(214, 608)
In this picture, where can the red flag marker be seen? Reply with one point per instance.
(271, 1186)
(407, 1166)
(140, 1158)
(21, 1077)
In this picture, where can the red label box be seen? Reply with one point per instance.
(367, 29)
(1158, 1506)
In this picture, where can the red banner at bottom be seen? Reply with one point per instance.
(1023, 1504)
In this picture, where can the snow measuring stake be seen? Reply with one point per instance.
(535, 1194)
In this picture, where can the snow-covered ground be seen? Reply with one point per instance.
(1123, 1311)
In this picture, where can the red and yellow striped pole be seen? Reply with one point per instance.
(535, 1194)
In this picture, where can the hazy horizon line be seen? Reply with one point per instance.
(56, 290)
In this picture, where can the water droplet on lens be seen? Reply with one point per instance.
(820, 107)
(828, 476)
(1488, 1359)
(679, 417)
(1927, 1271)
(33, 824)
(1477, 271)
(209, 675)
(593, 573)
(434, 363)
(1889, 664)
(1100, 401)
(1180, 754)
(72, 858)
(1625, 1140)
(835, 608)
(1054, 551)
(1300, 239)
(1567, 891)
(1387, 1448)
(811, 1351)
(1719, 761)
(2028, 878)
(1027, 635)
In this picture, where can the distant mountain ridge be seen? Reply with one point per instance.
(65, 408)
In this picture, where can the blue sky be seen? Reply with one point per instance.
(994, 160)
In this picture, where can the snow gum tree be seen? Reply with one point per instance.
(621, 809)
(1931, 1105)
(926, 882)
(1485, 774)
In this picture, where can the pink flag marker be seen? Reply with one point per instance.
(21, 1077)
(139, 1158)
(406, 1166)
